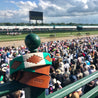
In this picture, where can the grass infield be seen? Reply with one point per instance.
(47, 35)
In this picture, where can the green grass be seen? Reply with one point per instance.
(47, 35)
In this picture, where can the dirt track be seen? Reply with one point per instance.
(19, 43)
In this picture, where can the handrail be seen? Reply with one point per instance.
(74, 86)
(91, 94)
(12, 86)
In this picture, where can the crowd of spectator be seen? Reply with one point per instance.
(71, 60)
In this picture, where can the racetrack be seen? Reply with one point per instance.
(21, 42)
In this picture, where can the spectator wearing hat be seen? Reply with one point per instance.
(3, 72)
(72, 67)
(67, 72)
(61, 66)
(66, 65)
(89, 86)
(74, 95)
(59, 75)
(92, 69)
(73, 77)
(79, 74)
(58, 85)
(53, 79)
(66, 80)
(85, 72)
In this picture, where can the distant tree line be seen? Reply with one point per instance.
(47, 24)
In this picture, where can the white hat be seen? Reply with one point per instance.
(58, 82)
(4, 69)
(54, 80)
(4, 65)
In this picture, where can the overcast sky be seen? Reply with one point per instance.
(57, 11)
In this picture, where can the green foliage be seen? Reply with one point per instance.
(46, 24)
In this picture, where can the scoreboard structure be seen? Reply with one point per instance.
(35, 15)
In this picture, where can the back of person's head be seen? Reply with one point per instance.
(67, 56)
(65, 69)
(78, 70)
(84, 64)
(80, 77)
(64, 55)
(92, 66)
(72, 73)
(75, 95)
(58, 71)
(85, 69)
(53, 75)
(65, 75)
(16, 94)
(72, 61)
(65, 61)
(92, 83)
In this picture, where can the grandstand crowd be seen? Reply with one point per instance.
(71, 60)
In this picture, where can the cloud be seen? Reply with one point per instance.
(83, 7)
(54, 10)
(62, 8)
(48, 4)
(25, 5)
(20, 14)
